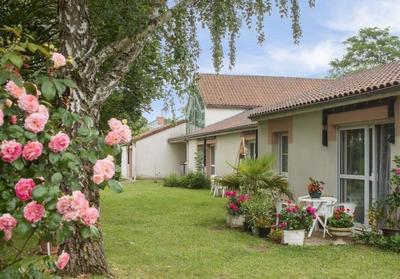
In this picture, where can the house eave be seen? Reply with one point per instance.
(317, 106)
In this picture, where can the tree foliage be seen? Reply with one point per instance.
(369, 48)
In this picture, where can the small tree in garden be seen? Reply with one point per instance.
(47, 154)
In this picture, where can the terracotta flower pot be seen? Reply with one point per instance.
(44, 248)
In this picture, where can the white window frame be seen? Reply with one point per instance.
(367, 177)
(249, 143)
(280, 154)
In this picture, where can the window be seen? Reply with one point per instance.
(195, 114)
(283, 154)
(212, 159)
(250, 149)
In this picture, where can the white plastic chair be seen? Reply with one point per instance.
(326, 210)
(213, 183)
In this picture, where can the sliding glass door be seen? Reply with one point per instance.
(357, 168)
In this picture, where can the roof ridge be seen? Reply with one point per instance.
(264, 76)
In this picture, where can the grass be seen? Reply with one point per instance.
(156, 232)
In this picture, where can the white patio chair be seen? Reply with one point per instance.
(351, 206)
(279, 206)
(213, 183)
(326, 211)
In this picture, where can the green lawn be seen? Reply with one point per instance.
(156, 232)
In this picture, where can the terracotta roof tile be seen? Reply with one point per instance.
(251, 91)
(360, 83)
(157, 130)
(236, 122)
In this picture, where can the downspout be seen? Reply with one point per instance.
(256, 143)
(205, 155)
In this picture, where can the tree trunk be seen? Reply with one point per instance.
(87, 255)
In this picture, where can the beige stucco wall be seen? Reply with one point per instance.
(226, 152)
(307, 156)
(213, 115)
(155, 157)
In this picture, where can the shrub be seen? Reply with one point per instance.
(260, 210)
(374, 239)
(172, 181)
(195, 180)
(198, 180)
(255, 175)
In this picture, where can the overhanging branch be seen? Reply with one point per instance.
(129, 49)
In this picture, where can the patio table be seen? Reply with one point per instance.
(318, 204)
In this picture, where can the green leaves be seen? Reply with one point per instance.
(115, 185)
(56, 178)
(48, 89)
(39, 192)
(19, 164)
(53, 158)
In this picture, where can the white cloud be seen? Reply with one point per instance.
(302, 60)
(350, 16)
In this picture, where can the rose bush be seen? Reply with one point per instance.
(46, 156)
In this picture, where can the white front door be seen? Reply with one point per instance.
(357, 168)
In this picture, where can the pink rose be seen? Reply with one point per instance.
(59, 142)
(90, 216)
(13, 119)
(32, 150)
(1, 117)
(58, 60)
(398, 171)
(44, 111)
(64, 204)
(114, 124)
(126, 134)
(24, 188)
(113, 137)
(10, 151)
(98, 178)
(35, 122)
(72, 207)
(34, 212)
(14, 89)
(79, 201)
(62, 260)
(105, 167)
(7, 224)
(28, 103)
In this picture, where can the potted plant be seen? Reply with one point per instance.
(260, 213)
(276, 234)
(295, 221)
(315, 188)
(384, 215)
(341, 223)
(235, 217)
(245, 212)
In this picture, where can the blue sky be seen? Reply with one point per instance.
(324, 28)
